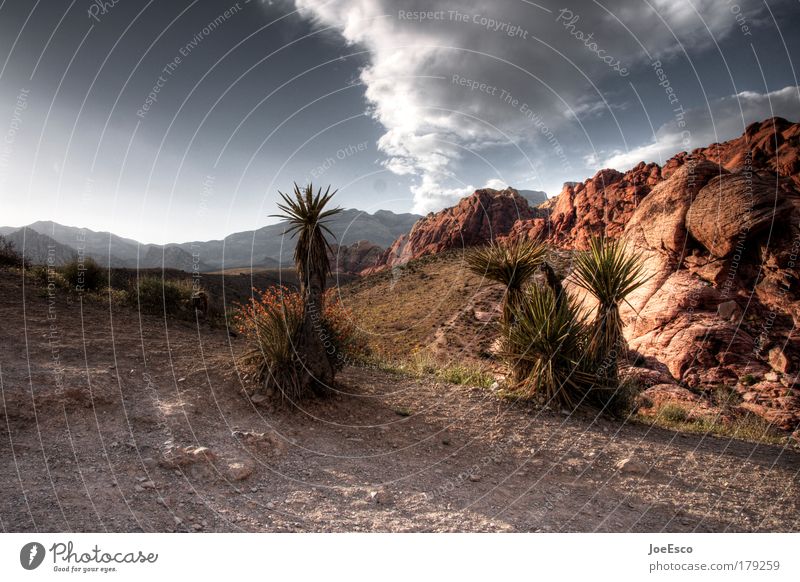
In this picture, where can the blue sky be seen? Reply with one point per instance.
(404, 106)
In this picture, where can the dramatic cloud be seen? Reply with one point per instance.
(449, 83)
(726, 119)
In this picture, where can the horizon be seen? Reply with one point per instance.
(143, 243)
(182, 121)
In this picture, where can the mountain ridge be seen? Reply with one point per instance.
(266, 247)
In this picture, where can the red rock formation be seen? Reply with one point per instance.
(604, 203)
(478, 218)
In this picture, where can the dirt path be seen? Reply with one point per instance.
(103, 411)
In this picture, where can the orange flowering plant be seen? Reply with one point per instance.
(271, 318)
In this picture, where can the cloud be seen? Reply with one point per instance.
(727, 118)
(496, 184)
(449, 82)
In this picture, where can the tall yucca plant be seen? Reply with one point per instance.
(610, 274)
(510, 264)
(545, 343)
(306, 214)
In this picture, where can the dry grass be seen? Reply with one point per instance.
(745, 427)
(407, 308)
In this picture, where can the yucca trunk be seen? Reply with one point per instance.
(310, 346)
(607, 342)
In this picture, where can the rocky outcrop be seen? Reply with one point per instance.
(605, 203)
(770, 146)
(355, 257)
(483, 216)
(722, 299)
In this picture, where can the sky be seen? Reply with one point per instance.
(168, 121)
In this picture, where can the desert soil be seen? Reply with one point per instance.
(103, 411)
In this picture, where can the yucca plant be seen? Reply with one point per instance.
(545, 344)
(610, 274)
(511, 264)
(306, 214)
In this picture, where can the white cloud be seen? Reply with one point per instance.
(418, 83)
(728, 117)
(496, 184)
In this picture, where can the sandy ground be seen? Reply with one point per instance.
(103, 410)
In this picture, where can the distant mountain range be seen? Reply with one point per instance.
(534, 197)
(266, 247)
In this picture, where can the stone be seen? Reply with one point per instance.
(240, 470)
(778, 360)
(728, 309)
(731, 209)
(175, 456)
(381, 497)
(631, 466)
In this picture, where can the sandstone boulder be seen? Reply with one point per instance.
(731, 209)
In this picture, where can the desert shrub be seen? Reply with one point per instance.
(349, 343)
(748, 379)
(726, 397)
(116, 297)
(84, 275)
(9, 256)
(547, 341)
(465, 374)
(272, 319)
(45, 276)
(673, 413)
(163, 296)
